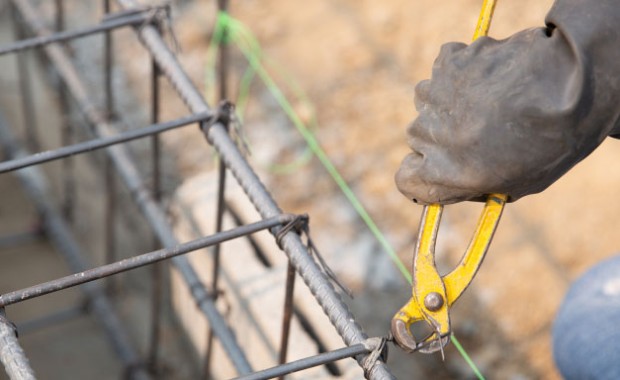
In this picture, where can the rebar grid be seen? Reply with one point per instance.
(146, 23)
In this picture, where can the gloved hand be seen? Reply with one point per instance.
(513, 116)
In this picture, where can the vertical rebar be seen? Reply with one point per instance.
(110, 179)
(66, 133)
(107, 64)
(12, 356)
(288, 313)
(157, 268)
(221, 188)
(25, 85)
(60, 15)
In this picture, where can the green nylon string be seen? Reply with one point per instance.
(248, 45)
(224, 27)
(243, 38)
(465, 356)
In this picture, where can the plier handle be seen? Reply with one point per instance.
(432, 294)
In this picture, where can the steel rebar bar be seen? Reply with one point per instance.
(126, 169)
(25, 86)
(108, 60)
(287, 314)
(86, 276)
(50, 38)
(309, 362)
(157, 283)
(101, 142)
(52, 319)
(67, 132)
(324, 292)
(12, 355)
(110, 212)
(19, 238)
(222, 54)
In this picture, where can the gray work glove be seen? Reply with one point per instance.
(513, 116)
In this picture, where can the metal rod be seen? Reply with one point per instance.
(110, 179)
(110, 221)
(288, 313)
(25, 87)
(60, 15)
(309, 362)
(221, 188)
(101, 142)
(52, 319)
(325, 294)
(12, 355)
(68, 174)
(130, 175)
(107, 66)
(157, 269)
(19, 238)
(86, 276)
(114, 23)
(60, 234)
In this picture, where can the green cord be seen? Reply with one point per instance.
(238, 33)
(249, 46)
(465, 356)
(227, 24)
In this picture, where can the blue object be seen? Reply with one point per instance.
(586, 332)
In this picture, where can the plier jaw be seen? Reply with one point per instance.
(432, 294)
(401, 325)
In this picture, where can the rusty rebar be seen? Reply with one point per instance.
(50, 37)
(67, 131)
(364, 348)
(287, 314)
(221, 183)
(157, 283)
(25, 86)
(12, 355)
(103, 271)
(110, 210)
(101, 142)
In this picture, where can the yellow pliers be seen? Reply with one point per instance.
(433, 295)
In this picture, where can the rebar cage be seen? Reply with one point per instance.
(45, 34)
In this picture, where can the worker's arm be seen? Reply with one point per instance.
(513, 116)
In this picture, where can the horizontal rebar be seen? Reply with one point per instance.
(99, 143)
(129, 173)
(108, 24)
(19, 238)
(53, 319)
(333, 306)
(309, 362)
(138, 261)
